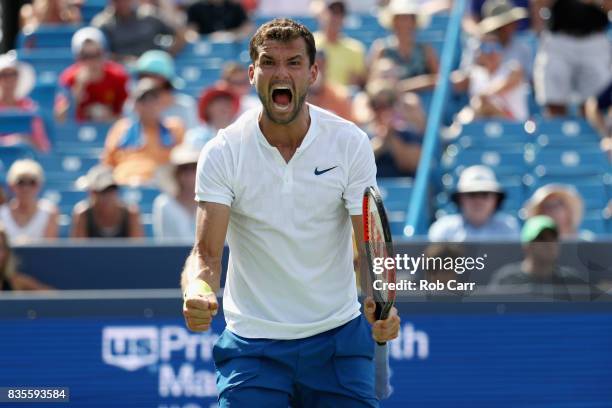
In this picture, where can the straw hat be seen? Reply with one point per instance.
(166, 176)
(401, 7)
(26, 75)
(498, 13)
(567, 193)
(97, 179)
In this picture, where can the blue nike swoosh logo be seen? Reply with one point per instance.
(319, 172)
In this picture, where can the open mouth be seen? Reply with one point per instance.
(281, 97)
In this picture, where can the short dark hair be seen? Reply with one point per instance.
(284, 30)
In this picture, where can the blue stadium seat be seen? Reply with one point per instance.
(9, 154)
(494, 158)
(12, 121)
(595, 223)
(569, 162)
(65, 199)
(495, 133)
(395, 192)
(66, 167)
(80, 138)
(141, 196)
(47, 36)
(569, 128)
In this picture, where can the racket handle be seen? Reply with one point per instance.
(378, 313)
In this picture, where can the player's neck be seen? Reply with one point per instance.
(286, 136)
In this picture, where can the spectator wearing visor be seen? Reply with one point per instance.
(104, 214)
(94, 86)
(479, 197)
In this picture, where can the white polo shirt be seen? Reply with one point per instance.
(290, 272)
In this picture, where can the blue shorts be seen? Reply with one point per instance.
(330, 369)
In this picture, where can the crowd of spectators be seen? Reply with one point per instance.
(124, 74)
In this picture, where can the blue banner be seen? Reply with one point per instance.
(445, 357)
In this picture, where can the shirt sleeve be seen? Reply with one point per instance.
(362, 173)
(215, 173)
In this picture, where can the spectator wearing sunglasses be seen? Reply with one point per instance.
(26, 217)
(104, 214)
(479, 197)
(136, 147)
(497, 89)
(94, 85)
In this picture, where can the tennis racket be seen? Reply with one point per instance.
(378, 244)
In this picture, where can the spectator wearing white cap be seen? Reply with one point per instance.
(131, 30)
(26, 217)
(16, 81)
(94, 86)
(104, 214)
(174, 211)
(478, 197)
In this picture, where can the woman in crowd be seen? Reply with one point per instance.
(136, 147)
(16, 81)
(104, 215)
(25, 217)
(560, 202)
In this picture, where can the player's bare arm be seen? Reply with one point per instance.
(382, 330)
(201, 277)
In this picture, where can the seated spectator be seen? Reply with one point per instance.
(136, 147)
(479, 197)
(10, 279)
(49, 12)
(385, 71)
(539, 268)
(345, 56)
(104, 215)
(496, 89)
(25, 217)
(322, 93)
(397, 148)
(159, 66)
(502, 20)
(94, 85)
(219, 17)
(171, 11)
(235, 78)
(218, 108)
(16, 81)
(574, 55)
(132, 30)
(174, 211)
(560, 202)
(416, 61)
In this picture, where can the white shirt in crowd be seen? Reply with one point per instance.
(33, 230)
(290, 272)
(514, 101)
(171, 220)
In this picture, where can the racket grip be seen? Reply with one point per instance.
(378, 314)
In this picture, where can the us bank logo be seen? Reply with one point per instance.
(130, 347)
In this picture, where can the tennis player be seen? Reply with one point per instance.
(284, 184)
